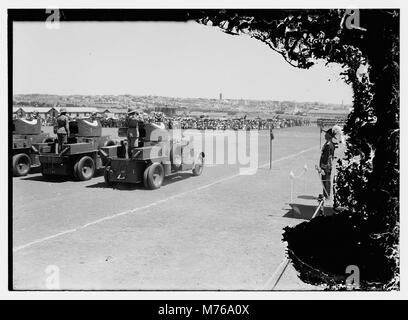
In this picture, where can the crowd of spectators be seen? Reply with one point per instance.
(241, 124)
(202, 123)
(215, 124)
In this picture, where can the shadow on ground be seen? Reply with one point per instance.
(139, 186)
(307, 197)
(49, 179)
(177, 177)
(306, 211)
(56, 178)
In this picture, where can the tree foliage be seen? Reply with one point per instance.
(367, 183)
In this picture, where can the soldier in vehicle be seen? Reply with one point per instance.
(158, 119)
(132, 136)
(131, 114)
(62, 128)
(33, 116)
(93, 117)
(36, 116)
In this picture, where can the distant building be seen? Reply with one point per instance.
(118, 113)
(19, 112)
(23, 112)
(80, 112)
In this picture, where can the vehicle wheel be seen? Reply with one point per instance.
(198, 166)
(155, 176)
(21, 164)
(85, 169)
(108, 182)
(145, 178)
(75, 171)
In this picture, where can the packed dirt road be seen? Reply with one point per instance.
(218, 231)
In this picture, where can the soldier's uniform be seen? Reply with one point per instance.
(325, 164)
(33, 116)
(62, 129)
(93, 117)
(132, 141)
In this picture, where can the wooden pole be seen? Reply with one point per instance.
(320, 144)
(271, 137)
(270, 153)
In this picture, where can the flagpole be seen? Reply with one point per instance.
(270, 153)
(271, 137)
(320, 143)
(321, 129)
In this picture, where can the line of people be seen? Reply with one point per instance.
(212, 124)
(186, 122)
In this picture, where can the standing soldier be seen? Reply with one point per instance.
(325, 163)
(132, 114)
(94, 116)
(32, 116)
(62, 128)
(36, 116)
(132, 135)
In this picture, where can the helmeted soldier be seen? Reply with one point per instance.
(33, 115)
(36, 115)
(158, 119)
(131, 114)
(132, 136)
(62, 128)
(94, 116)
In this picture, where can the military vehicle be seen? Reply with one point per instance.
(152, 154)
(28, 142)
(85, 152)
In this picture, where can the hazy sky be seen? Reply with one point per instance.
(167, 59)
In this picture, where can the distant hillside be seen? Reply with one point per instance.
(187, 104)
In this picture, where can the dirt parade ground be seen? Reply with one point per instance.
(219, 231)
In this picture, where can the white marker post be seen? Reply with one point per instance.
(305, 169)
(292, 177)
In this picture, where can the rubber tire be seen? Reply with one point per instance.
(145, 179)
(85, 164)
(75, 172)
(17, 159)
(198, 169)
(152, 180)
(106, 177)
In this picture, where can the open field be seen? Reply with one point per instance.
(219, 231)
